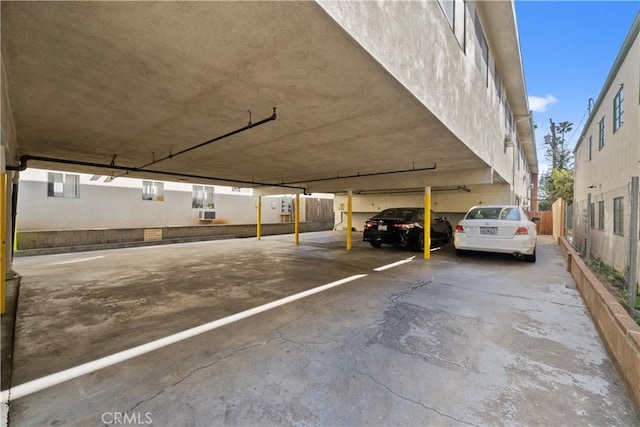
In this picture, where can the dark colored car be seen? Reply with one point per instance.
(404, 227)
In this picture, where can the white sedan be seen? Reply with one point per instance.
(498, 228)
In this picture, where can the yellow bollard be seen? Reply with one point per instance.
(259, 218)
(349, 219)
(427, 223)
(297, 220)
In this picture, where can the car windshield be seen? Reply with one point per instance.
(507, 213)
(398, 213)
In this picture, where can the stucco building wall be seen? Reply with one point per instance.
(413, 40)
(606, 172)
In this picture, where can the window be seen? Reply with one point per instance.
(448, 7)
(511, 214)
(482, 51)
(508, 119)
(601, 215)
(618, 211)
(601, 134)
(152, 190)
(496, 81)
(590, 148)
(202, 197)
(454, 11)
(63, 185)
(592, 213)
(618, 109)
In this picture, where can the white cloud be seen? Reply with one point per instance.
(539, 104)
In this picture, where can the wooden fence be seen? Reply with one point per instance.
(545, 226)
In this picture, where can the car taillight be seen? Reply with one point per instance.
(369, 224)
(404, 226)
(522, 231)
(459, 229)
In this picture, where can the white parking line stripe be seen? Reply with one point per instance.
(77, 260)
(34, 386)
(395, 264)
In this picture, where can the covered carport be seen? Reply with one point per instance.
(99, 89)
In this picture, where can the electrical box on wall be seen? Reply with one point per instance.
(285, 206)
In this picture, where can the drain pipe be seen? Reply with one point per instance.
(360, 175)
(218, 138)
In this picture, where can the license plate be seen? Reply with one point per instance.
(489, 231)
(382, 227)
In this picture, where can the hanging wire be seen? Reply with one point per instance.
(577, 127)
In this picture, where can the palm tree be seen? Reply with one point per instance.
(563, 128)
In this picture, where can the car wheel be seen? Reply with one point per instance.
(460, 252)
(419, 243)
(449, 235)
(531, 258)
(375, 244)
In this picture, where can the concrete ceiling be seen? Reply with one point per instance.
(90, 80)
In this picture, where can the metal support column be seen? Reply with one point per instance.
(296, 226)
(259, 218)
(427, 222)
(349, 219)
(633, 245)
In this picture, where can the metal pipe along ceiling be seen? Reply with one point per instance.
(112, 166)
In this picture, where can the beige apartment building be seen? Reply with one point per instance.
(607, 156)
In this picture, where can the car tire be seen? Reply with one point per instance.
(418, 245)
(531, 258)
(375, 244)
(449, 235)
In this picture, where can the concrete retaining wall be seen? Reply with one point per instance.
(59, 241)
(619, 332)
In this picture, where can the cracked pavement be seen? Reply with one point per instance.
(478, 340)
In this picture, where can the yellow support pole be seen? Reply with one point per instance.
(3, 238)
(296, 225)
(259, 218)
(349, 219)
(427, 222)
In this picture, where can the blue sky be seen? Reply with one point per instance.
(568, 49)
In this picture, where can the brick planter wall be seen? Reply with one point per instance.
(621, 335)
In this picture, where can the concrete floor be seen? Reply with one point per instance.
(477, 340)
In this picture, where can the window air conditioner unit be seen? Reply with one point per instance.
(508, 140)
(206, 215)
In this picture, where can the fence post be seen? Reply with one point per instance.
(574, 225)
(565, 219)
(587, 249)
(633, 245)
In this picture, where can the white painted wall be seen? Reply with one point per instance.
(119, 204)
(446, 202)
